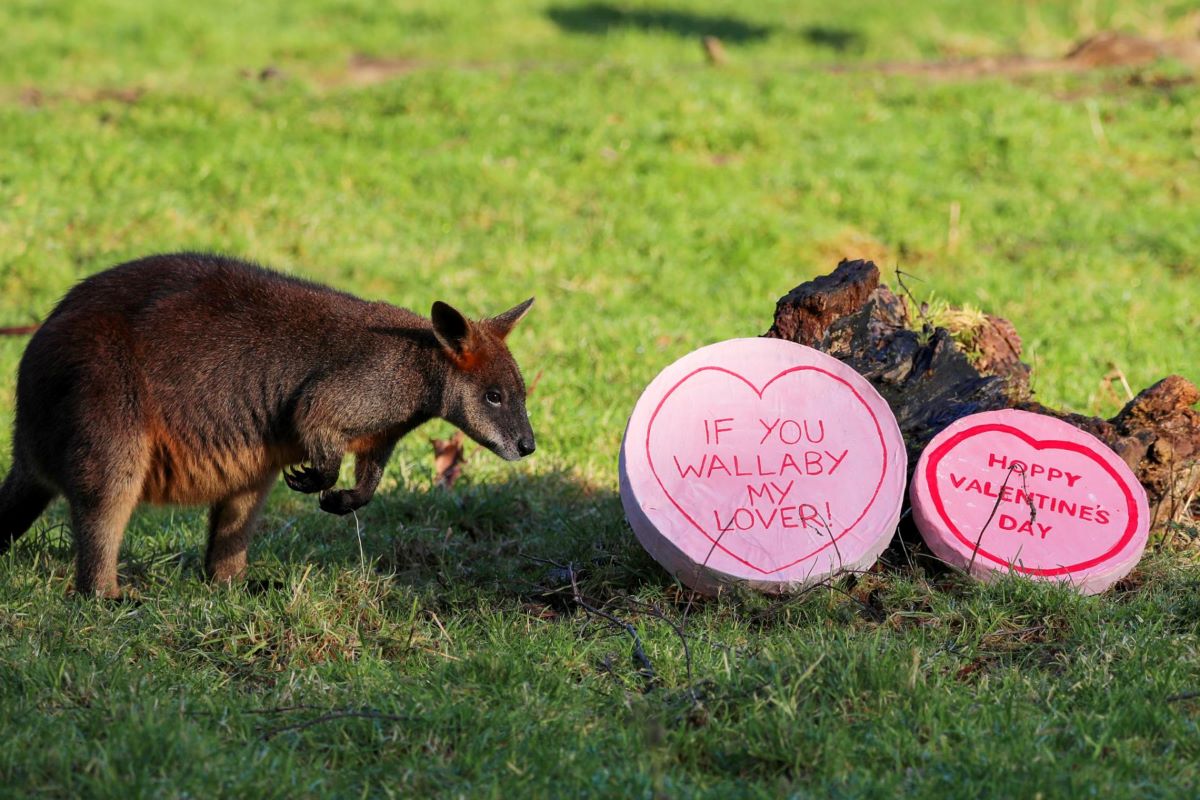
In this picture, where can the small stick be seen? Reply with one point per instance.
(362, 559)
(649, 676)
(1015, 467)
(365, 713)
(534, 383)
(919, 306)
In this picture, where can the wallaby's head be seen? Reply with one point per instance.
(484, 393)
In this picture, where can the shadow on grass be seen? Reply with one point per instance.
(842, 40)
(601, 18)
(501, 536)
(523, 536)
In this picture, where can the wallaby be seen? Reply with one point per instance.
(194, 379)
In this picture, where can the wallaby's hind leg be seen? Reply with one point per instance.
(231, 525)
(99, 525)
(22, 501)
(103, 489)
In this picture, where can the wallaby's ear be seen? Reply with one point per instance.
(452, 330)
(502, 324)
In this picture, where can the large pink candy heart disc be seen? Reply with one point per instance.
(762, 462)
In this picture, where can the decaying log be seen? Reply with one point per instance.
(931, 376)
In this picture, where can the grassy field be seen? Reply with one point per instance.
(586, 153)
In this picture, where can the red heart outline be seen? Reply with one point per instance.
(943, 449)
(760, 392)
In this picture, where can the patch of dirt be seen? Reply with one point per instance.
(1103, 50)
(33, 97)
(1109, 49)
(364, 70)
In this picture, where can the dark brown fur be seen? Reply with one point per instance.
(195, 379)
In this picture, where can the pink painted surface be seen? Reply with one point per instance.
(763, 462)
(1010, 491)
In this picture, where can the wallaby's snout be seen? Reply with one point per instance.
(522, 442)
(485, 394)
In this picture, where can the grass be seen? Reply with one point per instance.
(585, 153)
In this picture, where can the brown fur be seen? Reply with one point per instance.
(195, 379)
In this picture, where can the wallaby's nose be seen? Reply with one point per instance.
(525, 447)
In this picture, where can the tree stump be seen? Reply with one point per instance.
(930, 379)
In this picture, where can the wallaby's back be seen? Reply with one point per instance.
(205, 356)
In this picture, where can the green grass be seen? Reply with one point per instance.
(586, 154)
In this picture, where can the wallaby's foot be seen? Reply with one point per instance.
(107, 589)
(116, 598)
(308, 480)
(342, 502)
(98, 525)
(228, 571)
(125, 598)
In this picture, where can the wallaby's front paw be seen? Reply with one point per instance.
(341, 502)
(307, 480)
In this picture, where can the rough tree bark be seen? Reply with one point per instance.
(930, 379)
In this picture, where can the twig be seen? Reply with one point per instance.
(263, 711)
(920, 307)
(639, 653)
(822, 584)
(539, 560)
(1014, 467)
(649, 677)
(440, 627)
(692, 597)
(774, 608)
(1115, 373)
(832, 540)
(20, 330)
(330, 716)
(533, 384)
(362, 559)
(654, 611)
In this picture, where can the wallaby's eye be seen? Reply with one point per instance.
(492, 396)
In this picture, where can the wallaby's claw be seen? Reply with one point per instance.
(306, 480)
(341, 502)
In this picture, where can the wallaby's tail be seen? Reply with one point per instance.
(22, 501)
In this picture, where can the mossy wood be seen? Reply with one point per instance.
(932, 376)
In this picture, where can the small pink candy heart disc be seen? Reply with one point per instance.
(1011, 491)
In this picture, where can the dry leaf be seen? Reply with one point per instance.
(448, 460)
